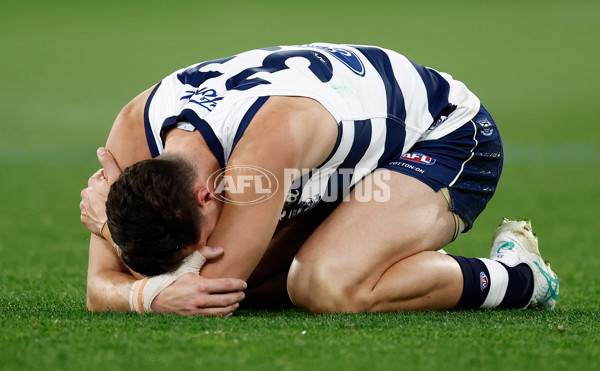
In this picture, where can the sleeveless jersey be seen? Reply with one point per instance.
(383, 102)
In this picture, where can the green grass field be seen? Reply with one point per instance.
(66, 69)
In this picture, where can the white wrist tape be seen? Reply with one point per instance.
(144, 291)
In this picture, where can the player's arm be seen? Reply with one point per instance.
(109, 281)
(286, 133)
(126, 145)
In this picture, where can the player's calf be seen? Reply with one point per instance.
(424, 281)
(324, 288)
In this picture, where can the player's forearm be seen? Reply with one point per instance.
(234, 267)
(109, 291)
(244, 244)
(244, 233)
(108, 280)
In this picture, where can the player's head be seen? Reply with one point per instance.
(154, 214)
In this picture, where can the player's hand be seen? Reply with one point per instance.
(194, 295)
(93, 198)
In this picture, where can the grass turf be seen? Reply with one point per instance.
(68, 67)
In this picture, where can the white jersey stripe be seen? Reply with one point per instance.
(416, 104)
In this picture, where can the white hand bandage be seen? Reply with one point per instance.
(143, 291)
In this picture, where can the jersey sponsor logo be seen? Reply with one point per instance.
(347, 57)
(419, 158)
(304, 206)
(292, 197)
(483, 281)
(442, 117)
(205, 98)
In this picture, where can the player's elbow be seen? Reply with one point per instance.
(90, 304)
(93, 303)
(226, 269)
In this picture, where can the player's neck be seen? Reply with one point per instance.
(191, 146)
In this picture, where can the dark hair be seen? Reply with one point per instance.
(152, 214)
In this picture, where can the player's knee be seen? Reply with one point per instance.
(322, 289)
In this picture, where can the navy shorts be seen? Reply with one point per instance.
(467, 161)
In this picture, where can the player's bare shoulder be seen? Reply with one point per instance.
(127, 139)
(297, 124)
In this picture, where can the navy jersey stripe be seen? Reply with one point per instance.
(394, 141)
(437, 89)
(147, 127)
(248, 116)
(167, 125)
(362, 138)
(207, 132)
(336, 145)
(395, 99)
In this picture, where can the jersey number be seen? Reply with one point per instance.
(319, 65)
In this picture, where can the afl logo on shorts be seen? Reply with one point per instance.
(419, 158)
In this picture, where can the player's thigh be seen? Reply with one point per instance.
(289, 236)
(363, 237)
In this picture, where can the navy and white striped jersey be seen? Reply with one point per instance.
(384, 104)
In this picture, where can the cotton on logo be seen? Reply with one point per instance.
(256, 183)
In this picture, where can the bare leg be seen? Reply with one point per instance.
(380, 256)
(405, 286)
(267, 288)
(269, 294)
